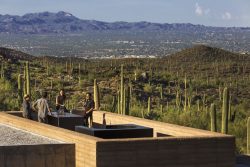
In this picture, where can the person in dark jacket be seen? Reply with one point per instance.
(26, 107)
(89, 106)
(60, 99)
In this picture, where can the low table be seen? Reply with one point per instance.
(66, 120)
(117, 131)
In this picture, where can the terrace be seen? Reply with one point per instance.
(169, 145)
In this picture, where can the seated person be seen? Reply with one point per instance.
(89, 106)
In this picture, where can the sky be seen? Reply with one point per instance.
(226, 13)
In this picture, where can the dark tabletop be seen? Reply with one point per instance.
(65, 115)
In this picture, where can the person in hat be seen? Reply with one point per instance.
(26, 107)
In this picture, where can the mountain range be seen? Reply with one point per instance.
(64, 22)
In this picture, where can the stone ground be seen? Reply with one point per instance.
(13, 136)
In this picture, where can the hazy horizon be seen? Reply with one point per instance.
(224, 13)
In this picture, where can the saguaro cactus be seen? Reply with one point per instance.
(114, 104)
(127, 102)
(230, 115)
(19, 87)
(66, 67)
(96, 96)
(136, 74)
(24, 82)
(213, 118)
(122, 99)
(185, 90)
(118, 102)
(47, 68)
(130, 93)
(178, 100)
(79, 70)
(2, 70)
(161, 96)
(79, 74)
(248, 135)
(149, 105)
(225, 108)
(220, 96)
(198, 105)
(27, 77)
(51, 84)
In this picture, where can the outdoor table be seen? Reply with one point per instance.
(66, 120)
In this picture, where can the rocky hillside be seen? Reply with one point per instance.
(14, 55)
(203, 53)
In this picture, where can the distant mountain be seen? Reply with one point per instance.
(202, 53)
(63, 22)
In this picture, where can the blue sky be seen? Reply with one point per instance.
(206, 12)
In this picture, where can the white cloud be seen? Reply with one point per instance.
(198, 9)
(226, 16)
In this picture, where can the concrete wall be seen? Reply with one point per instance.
(85, 146)
(163, 152)
(49, 155)
(186, 147)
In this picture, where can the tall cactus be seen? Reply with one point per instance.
(114, 104)
(213, 118)
(161, 96)
(130, 93)
(149, 105)
(225, 108)
(122, 92)
(127, 101)
(229, 108)
(118, 102)
(47, 68)
(66, 67)
(2, 70)
(27, 72)
(79, 70)
(124, 101)
(19, 87)
(79, 74)
(136, 73)
(185, 91)
(248, 135)
(220, 96)
(51, 84)
(198, 105)
(178, 99)
(24, 82)
(96, 96)
(71, 68)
